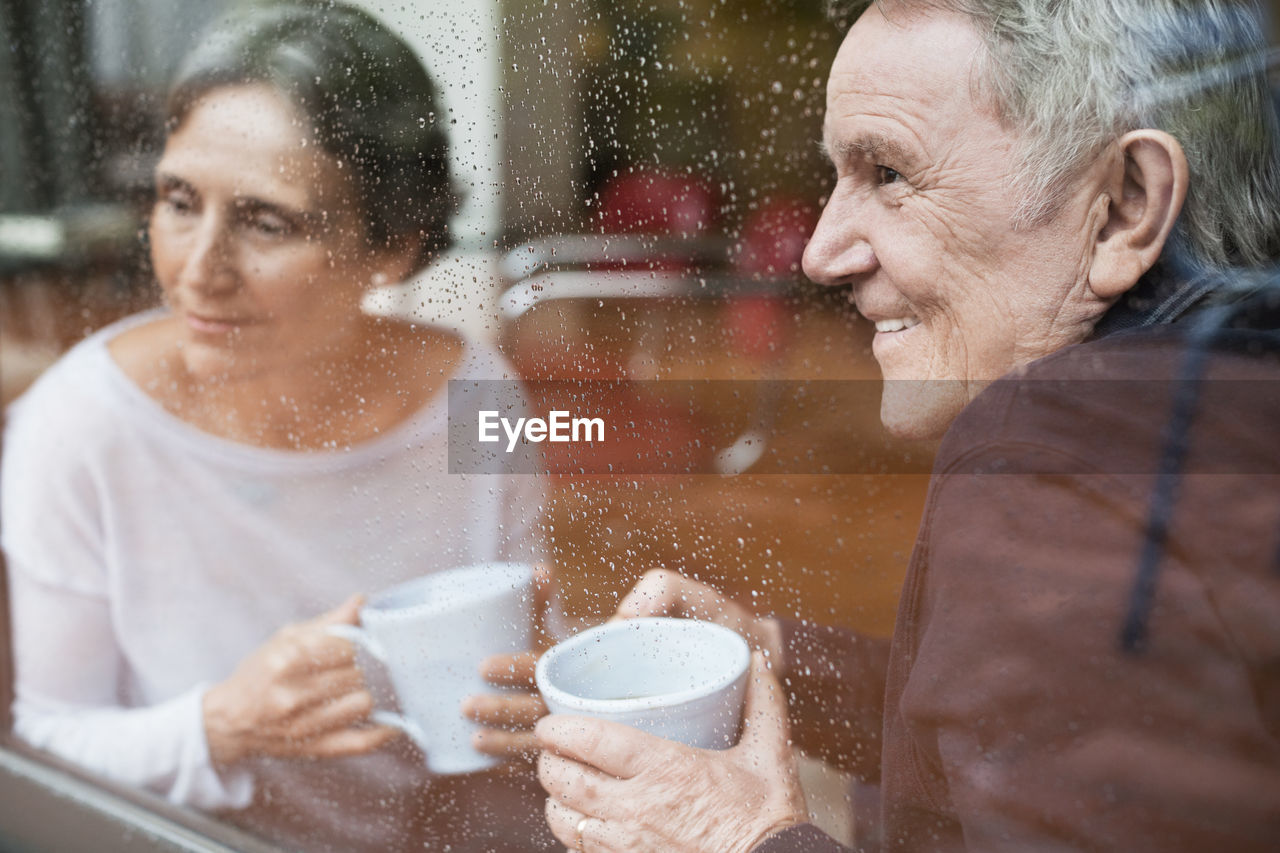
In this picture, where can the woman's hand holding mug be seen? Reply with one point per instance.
(508, 717)
(298, 695)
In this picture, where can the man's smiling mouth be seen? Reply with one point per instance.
(897, 324)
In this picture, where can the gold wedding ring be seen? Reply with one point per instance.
(582, 824)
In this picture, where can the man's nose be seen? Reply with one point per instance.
(209, 263)
(839, 251)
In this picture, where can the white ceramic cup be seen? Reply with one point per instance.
(679, 679)
(431, 634)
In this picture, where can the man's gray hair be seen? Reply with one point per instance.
(1074, 75)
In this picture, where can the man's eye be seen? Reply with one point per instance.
(885, 175)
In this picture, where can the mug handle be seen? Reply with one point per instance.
(361, 638)
(383, 718)
(404, 724)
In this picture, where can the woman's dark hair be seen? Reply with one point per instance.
(371, 103)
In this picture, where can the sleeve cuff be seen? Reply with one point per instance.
(802, 838)
(198, 782)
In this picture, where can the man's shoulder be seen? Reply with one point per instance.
(1106, 406)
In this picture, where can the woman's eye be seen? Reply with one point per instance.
(885, 175)
(178, 202)
(270, 225)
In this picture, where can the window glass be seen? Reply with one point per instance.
(267, 267)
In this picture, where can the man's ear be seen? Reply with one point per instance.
(1146, 195)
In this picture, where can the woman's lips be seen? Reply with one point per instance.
(213, 325)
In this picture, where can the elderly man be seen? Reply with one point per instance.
(1038, 203)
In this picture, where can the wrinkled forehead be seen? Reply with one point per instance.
(254, 141)
(920, 59)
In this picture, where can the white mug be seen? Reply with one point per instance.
(679, 679)
(431, 634)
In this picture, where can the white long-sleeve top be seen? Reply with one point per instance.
(147, 558)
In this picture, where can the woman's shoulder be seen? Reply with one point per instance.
(74, 408)
(483, 360)
(435, 355)
(74, 380)
(145, 349)
(89, 380)
(449, 351)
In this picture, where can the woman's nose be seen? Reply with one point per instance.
(839, 251)
(209, 262)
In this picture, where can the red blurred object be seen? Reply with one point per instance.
(755, 325)
(651, 201)
(658, 240)
(772, 245)
(774, 237)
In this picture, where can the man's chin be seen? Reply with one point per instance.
(919, 409)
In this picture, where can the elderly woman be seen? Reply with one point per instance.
(1039, 205)
(192, 497)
